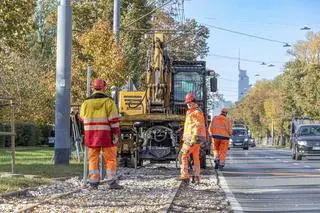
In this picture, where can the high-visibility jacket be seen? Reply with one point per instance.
(194, 127)
(220, 127)
(101, 120)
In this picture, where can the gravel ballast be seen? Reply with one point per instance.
(148, 189)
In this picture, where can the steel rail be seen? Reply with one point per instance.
(29, 207)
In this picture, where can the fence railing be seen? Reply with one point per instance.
(8, 102)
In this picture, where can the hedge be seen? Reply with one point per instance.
(28, 134)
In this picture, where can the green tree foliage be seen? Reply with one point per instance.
(28, 48)
(187, 41)
(16, 23)
(192, 42)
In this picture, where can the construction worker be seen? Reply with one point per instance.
(220, 129)
(194, 134)
(101, 133)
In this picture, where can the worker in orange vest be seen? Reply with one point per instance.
(101, 134)
(220, 129)
(193, 135)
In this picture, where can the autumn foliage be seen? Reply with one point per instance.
(270, 105)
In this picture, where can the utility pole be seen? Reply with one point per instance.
(116, 20)
(63, 83)
(88, 79)
(272, 132)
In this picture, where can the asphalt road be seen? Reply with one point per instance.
(268, 180)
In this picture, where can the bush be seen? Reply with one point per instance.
(4, 140)
(28, 134)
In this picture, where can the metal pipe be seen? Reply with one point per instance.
(88, 79)
(85, 156)
(63, 83)
(116, 20)
(13, 137)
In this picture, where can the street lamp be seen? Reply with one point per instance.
(271, 65)
(286, 45)
(305, 27)
(263, 63)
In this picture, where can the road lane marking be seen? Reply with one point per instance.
(278, 159)
(306, 166)
(235, 205)
(274, 173)
(285, 161)
(296, 164)
(260, 190)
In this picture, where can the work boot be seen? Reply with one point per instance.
(217, 162)
(196, 180)
(94, 186)
(185, 182)
(115, 185)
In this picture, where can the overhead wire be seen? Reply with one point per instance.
(243, 59)
(145, 15)
(252, 22)
(245, 34)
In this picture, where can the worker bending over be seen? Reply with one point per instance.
(194, 134)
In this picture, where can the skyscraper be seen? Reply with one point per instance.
(243, 82)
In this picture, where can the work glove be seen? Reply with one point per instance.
(115, 139)
(185, 148)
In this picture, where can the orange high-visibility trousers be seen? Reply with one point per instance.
(194, 151)
(110, 162)
(220, 149)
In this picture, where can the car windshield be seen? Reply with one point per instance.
(239, 132)
(309, 131)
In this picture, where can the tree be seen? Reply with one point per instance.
(302, 79)
(192, 42)
(24, 79)
(294, 93)
(16, 23)
(106, 58)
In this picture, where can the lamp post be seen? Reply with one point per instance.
(63, 83)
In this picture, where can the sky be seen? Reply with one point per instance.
(279, 20)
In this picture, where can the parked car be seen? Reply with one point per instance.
(51, 138)
(239, 138)
(306, 141)
(252, 142)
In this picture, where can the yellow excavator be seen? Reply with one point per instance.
(151, 121)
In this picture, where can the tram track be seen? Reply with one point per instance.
(150, 188)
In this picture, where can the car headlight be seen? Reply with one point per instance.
(246, 139)
(302, 143)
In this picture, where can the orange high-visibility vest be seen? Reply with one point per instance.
(220, 126)
(100, 119)
(194, 127)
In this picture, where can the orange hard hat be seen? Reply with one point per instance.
(99, 84)
(189, 98)
(224, 110)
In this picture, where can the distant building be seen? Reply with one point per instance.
(243, 82)
(218, 105)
